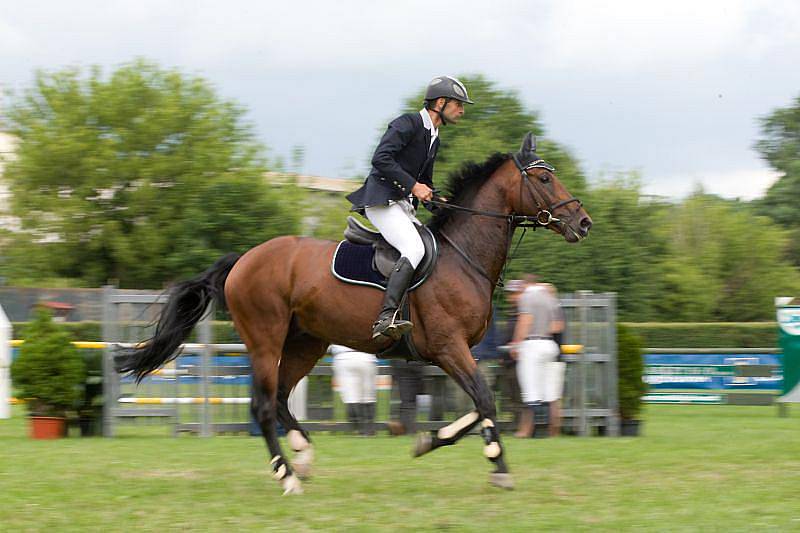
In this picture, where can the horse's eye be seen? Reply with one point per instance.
(545, 178)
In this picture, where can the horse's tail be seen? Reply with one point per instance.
(187, 305)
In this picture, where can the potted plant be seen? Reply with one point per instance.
(49, 374)
(630, 385)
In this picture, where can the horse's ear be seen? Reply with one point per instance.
(528, 143)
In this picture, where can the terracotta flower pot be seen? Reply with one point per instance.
(47, 427)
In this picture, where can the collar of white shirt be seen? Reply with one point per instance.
(428, 123)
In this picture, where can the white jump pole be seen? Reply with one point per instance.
(5, 365)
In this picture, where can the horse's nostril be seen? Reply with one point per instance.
(586, 225)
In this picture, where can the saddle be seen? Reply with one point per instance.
(365, 258)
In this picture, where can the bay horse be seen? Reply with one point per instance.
(288, 307)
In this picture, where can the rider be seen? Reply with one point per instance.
(401, 175)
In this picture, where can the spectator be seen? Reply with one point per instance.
(355, 373)
(407, 377)
(533, 347)
(508, 384)
(557, 369)
(487, 355)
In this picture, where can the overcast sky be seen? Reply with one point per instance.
(671, 89)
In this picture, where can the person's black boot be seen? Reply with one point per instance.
(388, 323)
(408, 418)
(367, 419)
(541, 418)
(353, 416)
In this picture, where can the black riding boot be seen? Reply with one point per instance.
(388, 323)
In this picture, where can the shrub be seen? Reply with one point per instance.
(630, 368)
(706, 334)
(48, 373)
(86, 330)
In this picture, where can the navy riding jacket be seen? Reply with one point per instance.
(401, 159)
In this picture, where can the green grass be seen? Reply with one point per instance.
(696, 468)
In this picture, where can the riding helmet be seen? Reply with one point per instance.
(447, 87)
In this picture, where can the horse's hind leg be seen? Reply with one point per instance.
(300, 354)
(264, 337)
(460, 366)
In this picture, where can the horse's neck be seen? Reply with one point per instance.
(484, 239)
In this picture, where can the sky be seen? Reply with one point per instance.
(672, 90)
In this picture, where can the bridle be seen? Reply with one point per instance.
(543, 217)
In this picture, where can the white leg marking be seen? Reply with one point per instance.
(302, 462)
(448, 432)
(487, 423)
(297, 441)
(491, 450)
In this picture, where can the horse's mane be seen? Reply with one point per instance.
(464, 183)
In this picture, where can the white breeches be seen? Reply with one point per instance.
(540, 376)
(355, 374)
(396, 224)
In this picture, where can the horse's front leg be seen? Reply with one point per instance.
(462, 368)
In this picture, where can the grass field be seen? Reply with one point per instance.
(696, 468)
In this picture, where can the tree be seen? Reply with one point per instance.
(780, 147)
(142, 177)
(622, 253)
(724, 262)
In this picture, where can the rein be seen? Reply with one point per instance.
(543, 217)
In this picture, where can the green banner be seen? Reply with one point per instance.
(789, 339)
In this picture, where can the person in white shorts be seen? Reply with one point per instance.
(355, 374)
(535, 350)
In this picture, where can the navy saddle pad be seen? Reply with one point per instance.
(356, 263)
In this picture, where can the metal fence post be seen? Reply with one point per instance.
(110, 376)
(584, 314)
(613, 403)
(205, 336)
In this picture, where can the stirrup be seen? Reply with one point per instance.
(391, 327)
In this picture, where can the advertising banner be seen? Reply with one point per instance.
(709, 371)
(788, 314)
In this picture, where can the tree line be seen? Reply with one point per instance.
(147, 175)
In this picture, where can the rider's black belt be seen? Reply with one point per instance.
(535, 338)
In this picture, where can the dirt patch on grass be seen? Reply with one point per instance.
(162, 474)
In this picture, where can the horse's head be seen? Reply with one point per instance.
(541, 196)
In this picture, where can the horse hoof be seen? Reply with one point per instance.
(423, 445)
(501, 480)
(291, 485)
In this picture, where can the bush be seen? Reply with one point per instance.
(86, 330)
(48, 373)
(630, 369)
(706, 334)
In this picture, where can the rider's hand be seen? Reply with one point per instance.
(422, 191)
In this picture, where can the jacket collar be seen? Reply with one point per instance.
(427, 122)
